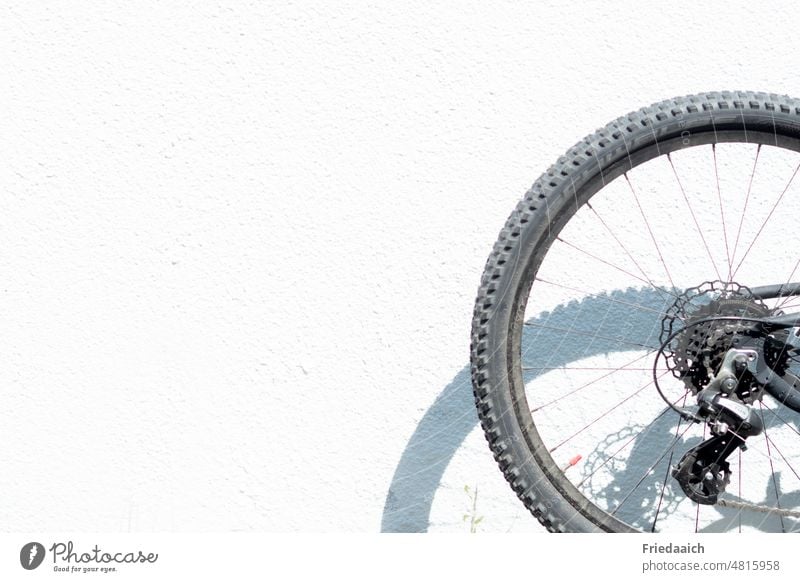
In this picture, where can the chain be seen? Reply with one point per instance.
(759, 508)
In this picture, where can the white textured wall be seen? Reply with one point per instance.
(239, 242)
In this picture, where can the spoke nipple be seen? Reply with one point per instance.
(572, 462)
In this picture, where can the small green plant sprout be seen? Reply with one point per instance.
(472, 512)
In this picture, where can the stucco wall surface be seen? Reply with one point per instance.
(240, 242)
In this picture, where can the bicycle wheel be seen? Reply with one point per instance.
(651, 251)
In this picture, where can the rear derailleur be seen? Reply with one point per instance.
(703, 472)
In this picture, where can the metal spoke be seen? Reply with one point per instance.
(578, 389)
(772, 467)
(607, 298)
(740, 488)
(774, 446)
(784, 421)
(721, 210)
(744, 211)
(669, 466)
(694, 218)
(650, 230)
(646, 473)
(612, 265)
(788, 281)
(761, 228)
(606, 413)
(589, 333)
(626, 445)
(593, 368)
(625, 249)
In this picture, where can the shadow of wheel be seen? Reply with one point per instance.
(444, 427)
